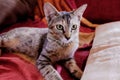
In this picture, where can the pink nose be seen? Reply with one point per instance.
(67, 37)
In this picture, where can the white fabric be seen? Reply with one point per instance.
(104, 59)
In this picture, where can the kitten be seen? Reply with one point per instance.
(56, 43)
(13, 10)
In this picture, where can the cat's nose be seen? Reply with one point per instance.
(67, 37)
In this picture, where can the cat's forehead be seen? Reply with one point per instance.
(65, 16)
(63, 13)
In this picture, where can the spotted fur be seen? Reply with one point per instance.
(56, 43)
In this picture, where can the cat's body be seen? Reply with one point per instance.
(25, 40)
(57, 43)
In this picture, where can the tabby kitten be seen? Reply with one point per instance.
(56, 43)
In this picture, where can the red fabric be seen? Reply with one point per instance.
(13, 67)
(28, 23)
(101, 11)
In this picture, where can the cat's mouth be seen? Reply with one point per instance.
(64, 42)
(67, 44)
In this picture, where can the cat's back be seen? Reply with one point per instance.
(27, 31)
(25, 34)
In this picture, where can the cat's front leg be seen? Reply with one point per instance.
(47, 70)
(71, 65)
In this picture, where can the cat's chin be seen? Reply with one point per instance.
(66, 44)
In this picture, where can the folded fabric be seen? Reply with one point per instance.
(104, 59)
(13, 67)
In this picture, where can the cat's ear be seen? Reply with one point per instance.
(50, 11)
(79, 12)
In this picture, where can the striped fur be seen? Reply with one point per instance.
(56, 43)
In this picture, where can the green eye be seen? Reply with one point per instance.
(59, 27)
(74, 27)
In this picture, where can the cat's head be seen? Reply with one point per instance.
(63, 25)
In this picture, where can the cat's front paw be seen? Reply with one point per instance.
(53, 76)
(50, 73)
(77, 74)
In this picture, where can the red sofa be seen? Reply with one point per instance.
(14, 67)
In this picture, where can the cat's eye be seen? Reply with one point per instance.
(74, 27)
(59, 27)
